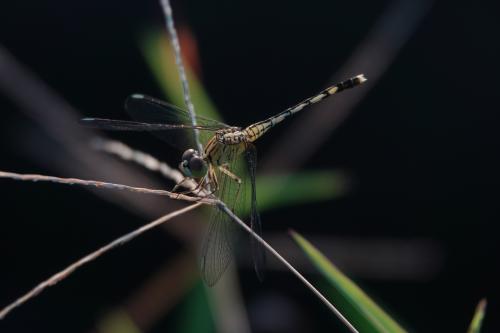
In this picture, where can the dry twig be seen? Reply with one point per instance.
(92, 256)
(169, 19)
(275, 253)
(99, 184)
(143, 159)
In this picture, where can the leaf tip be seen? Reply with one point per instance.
(295, 235)
(481, 306)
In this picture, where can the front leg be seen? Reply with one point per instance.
(234, 178)
(180, 184)
(195, 186)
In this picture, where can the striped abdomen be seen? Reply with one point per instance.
(255, 131)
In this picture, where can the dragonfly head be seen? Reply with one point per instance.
(193, 165)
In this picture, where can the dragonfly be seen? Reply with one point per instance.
(218, 167)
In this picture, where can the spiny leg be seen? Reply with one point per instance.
(232, 177)
(179, 184)
(223, 168)
(198, 188)
(210, 189)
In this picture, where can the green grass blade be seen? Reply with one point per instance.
(194, 313)
(285, 190)
(282, 190)
(117, 322)
(477, 320)
(356, 305)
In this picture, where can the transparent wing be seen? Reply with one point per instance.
(217, 248)
(258, 252)
(146, 109)
(127, 125)
(218, 244)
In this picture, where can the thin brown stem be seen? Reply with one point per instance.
(54, 279)
(70, 269)
(174, 39)
(99, 184)
(143, 159)
(221, 205)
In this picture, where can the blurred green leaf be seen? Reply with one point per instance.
(357, 306)
(160, 58)
(284, 190)
(195, 314)
(118, 322)
(477, 320)
(281, 190)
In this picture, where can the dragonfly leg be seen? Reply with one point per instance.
(179, 184)
(228, 173)
(211, 180)
(199, 187)
(223, 168)
(202, 186)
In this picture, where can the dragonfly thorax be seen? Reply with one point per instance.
(231, 136)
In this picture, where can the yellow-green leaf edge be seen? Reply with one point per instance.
(477, 320)
(366, 307)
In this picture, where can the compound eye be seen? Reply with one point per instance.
(185, 169)
(188, 154)
(192, 164)
(198, 166)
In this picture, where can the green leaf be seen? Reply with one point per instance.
(281, 190)
(353, 302)
(477, 320)
(160, 57)
(118, 322)
(285, 190)
(194, 312)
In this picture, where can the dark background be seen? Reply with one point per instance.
(421, 146)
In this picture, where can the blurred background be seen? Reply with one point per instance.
(395, 181)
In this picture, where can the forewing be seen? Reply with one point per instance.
(147, 109)
(127, 125)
